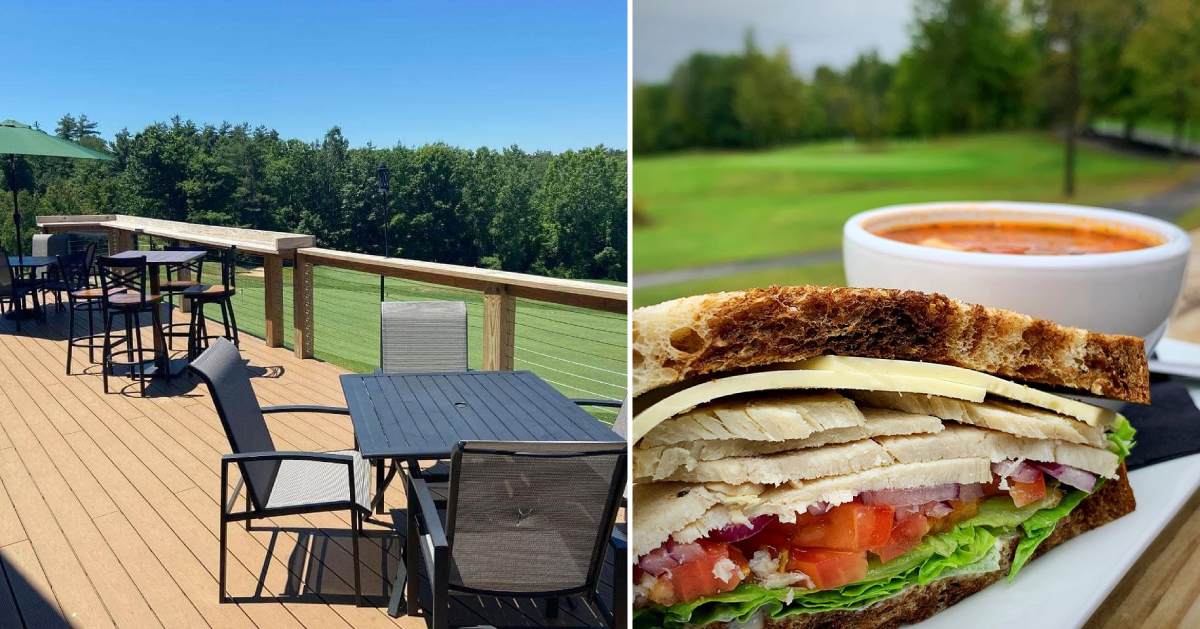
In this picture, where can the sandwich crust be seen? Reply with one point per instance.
(726, 332)
(1113, 500)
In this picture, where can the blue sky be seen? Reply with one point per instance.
(543, 74)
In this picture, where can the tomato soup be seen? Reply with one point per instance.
(1022, 238)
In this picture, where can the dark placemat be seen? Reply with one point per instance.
(1166, 429)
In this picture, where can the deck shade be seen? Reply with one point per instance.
(20, 139)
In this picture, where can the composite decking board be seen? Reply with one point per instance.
(30, 588)
(125, 604)
(72, 588)
(11, 530)
(9, 615)
(165, 540)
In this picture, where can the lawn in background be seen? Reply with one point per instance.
(829, 274)
(709, 207)
(581, 352)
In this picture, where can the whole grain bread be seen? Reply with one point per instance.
(727, 332)
(1113, 500)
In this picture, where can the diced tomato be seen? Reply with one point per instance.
(828, 568)
(907, 533)
(851, 526)
(697, 577)
(775, 537)
(1027, 493)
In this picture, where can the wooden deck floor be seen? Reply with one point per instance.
(109, 503)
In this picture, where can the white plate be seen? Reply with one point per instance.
(1064, 587)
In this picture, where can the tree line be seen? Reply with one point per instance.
(558, 214)
(971, 65)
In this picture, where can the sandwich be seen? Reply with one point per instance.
(835, 457)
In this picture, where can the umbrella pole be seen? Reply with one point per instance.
(12, 185)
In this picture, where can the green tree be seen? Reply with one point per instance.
(1165, 54)
(967, 69)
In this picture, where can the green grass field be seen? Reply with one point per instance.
(582, 352)
(711, 207)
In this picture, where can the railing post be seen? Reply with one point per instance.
(302, 306)
(273, 287)
(499, 328)
(123, 241)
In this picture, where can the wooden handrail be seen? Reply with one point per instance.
(500, 289)
(257, 241)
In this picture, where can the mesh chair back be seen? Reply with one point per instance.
(418, 336)
(530, 518)
(195, 267)
(6, 275)
(123, 275)
(221, 368)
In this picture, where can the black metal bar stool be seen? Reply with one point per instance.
(180, 277)
(221, 294)
(123, 293)
(74, 277)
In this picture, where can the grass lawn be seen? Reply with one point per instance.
(582, 352)
(710, 207)
(830, 274)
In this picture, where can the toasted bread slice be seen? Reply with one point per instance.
(1113, 500)
(723, 332)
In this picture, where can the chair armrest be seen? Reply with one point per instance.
(427, 512)
(603, 403)
(326, 457)
(306, 408)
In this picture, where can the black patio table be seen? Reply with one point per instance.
(155, 260)
(411, 416)
(26, 265)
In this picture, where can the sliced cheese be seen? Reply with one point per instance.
(659, 463)
(769, 417)
(968, 441)
(997, 415)
(1086, 413)
(691, 397)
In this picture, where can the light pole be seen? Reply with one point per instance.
(384, 190)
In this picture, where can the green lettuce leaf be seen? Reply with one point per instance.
(1038, 527)
(1120, 437)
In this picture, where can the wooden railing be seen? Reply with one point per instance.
(500, 289)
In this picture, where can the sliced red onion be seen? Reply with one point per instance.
(657, 561)
(1068, 475)
(938, 509)
(739, 532)
(819, 508)
(907, 497)
(1021, 471)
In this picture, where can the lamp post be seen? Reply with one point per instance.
(385, 184)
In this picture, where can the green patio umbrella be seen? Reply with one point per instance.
(19, 139)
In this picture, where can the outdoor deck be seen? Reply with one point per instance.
(109, 505)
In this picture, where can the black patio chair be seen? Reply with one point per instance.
(277, 483)
(14, 288)
(199, 295)
(523, 519)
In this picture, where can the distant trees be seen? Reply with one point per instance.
(972, 65)
(561, 214)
